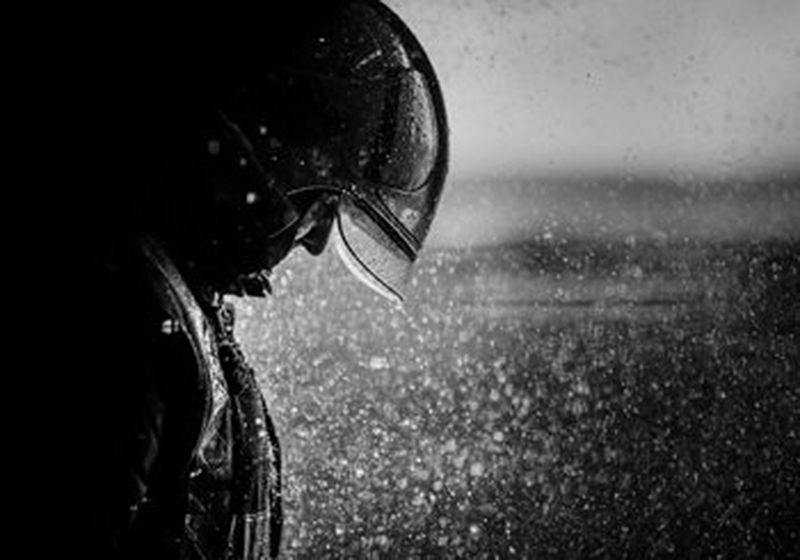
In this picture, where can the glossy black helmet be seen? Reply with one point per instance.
(333, 98)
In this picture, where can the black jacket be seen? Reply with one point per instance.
(178, 454)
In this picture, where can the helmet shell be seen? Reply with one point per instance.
(219, 124)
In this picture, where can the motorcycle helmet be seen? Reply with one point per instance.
(338, 100)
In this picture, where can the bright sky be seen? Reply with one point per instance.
(546, 86)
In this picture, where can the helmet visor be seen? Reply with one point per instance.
(370, 258)
(373, 248)
(382, 228)
(389, 163)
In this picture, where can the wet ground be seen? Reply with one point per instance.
(542, 399)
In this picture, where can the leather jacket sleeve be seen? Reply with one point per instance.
(141, 403)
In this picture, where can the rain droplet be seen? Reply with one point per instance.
(476, 469)
(474, 531)
(378, 362)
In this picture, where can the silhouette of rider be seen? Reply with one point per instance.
(205, 159)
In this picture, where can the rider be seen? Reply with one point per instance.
(308, 124)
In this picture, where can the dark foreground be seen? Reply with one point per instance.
(567, 399)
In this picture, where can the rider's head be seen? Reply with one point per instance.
(319, 122)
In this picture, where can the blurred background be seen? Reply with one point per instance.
(689, 94)
(598, 356)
